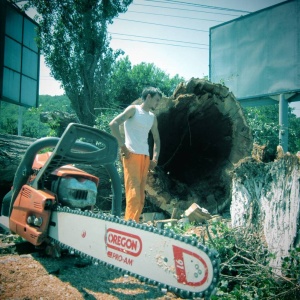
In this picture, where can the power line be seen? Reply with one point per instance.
(141, 38)
(180, 17)
(148, 37)
(185, 9)
(178, 27)
(172, 26)
(199, 5)
(149, 42)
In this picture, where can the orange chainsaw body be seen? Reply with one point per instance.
(32, 204)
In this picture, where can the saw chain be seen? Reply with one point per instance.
(179, 264)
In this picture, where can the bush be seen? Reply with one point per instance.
(245, 272)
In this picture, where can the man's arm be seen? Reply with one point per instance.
(156, 145)
(115, 126)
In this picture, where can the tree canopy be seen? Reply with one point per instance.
(264, 123)
(127, 82)
(31, 124)
(74, 40)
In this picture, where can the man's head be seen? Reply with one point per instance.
(151, 96)
(152, 91)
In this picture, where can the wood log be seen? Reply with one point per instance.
(266, 195)
(12, 149)
(203, 134)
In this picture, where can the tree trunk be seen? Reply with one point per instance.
(267, 195)
(203, 134)
(83, 105)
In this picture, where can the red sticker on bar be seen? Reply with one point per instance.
(191, 269)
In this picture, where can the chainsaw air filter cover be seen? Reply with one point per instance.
(78, 192)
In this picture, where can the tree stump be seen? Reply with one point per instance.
(267, 195)
(203, 134)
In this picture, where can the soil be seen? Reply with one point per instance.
(28, 274)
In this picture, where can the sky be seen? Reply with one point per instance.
(171, 34)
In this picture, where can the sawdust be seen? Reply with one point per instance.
(33, 276)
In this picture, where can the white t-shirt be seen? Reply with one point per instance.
(137, 129)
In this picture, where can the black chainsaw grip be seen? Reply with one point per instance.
(104, 151)
(116, 189)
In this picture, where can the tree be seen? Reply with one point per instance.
(121, 88)
(32, 125)
(124, 85)
(145, 74)
(263, 121)
(74, 40)
(127, 82)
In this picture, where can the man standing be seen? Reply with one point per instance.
(138, 121)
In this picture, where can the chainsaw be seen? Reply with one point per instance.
(52, 201)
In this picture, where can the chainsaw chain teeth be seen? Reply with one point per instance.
(213, 254)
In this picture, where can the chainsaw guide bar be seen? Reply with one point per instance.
(174, 262)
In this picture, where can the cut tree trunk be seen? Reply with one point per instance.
(267, 195)
(203, 133)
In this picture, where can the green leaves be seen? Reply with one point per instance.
(32, 125)
(126, 82)
(291, 265)
(264, 123)
(245, 271)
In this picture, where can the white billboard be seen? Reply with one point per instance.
(258, 55)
